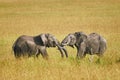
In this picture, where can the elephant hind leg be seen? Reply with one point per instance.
(17, 55)
(17, 52)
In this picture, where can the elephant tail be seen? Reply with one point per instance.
(17, 50)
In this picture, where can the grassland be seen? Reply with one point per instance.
(59, 17)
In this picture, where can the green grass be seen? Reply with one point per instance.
(59, 17)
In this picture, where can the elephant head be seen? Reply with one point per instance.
(49, 40)
(74, 39)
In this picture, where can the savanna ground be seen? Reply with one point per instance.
(59, 17)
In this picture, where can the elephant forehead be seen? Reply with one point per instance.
(72, 36)
(68, 38)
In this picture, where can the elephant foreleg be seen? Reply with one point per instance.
(91, 57)
(78, 52)
(81, 50)
(44, 52)
(37, 53)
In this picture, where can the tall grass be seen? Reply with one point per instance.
(59, 17)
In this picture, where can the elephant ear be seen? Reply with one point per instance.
(84, 36)
(80, 37)
(44, 39)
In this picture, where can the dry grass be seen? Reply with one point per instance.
(59, 17)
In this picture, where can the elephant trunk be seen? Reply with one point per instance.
(65, 51)
(61, 49)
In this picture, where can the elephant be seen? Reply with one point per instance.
(85, 44)
(36, 45)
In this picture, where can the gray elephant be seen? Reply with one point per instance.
(35, 45)
(91, 44)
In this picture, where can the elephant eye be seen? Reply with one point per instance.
(71, 37)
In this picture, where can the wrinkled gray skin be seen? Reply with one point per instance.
(35, 45)
(91, 44)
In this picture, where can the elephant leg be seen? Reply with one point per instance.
(44, 54)
(77, 53)
(17, 55)
(37, 53)
(91, 57)
(80, 53)
(82, 50)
